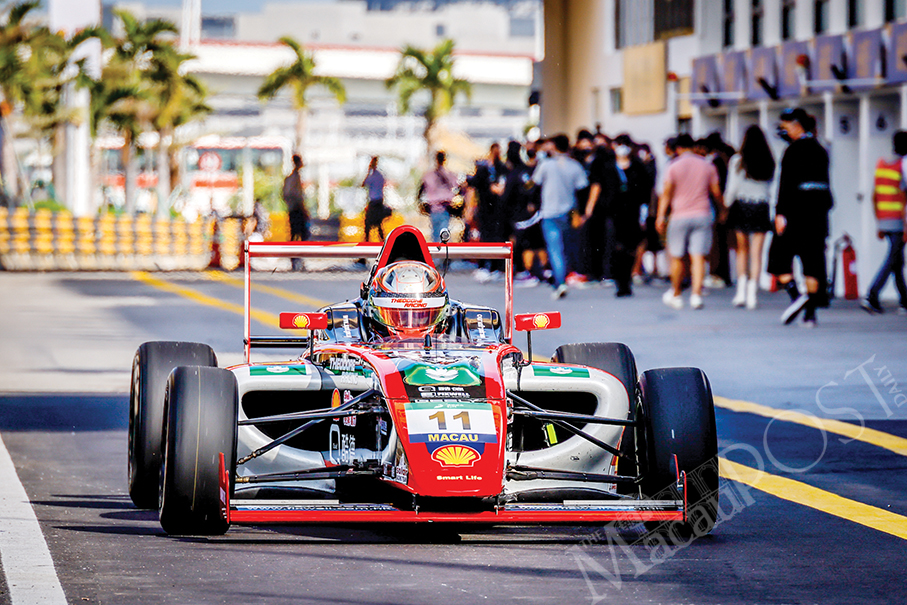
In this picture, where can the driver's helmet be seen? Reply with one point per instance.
(407, 297)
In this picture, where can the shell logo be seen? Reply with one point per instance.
(455, 455)
(335, 399)
(541, 321)
(301, 321)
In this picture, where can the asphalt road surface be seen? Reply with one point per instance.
(825, 522)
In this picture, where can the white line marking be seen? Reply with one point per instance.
(26, 560)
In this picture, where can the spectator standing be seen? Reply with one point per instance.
(889, 200)
(582, 246)
(719, 153)
(560, 177)
(620, 188)
(651, 241)
(750, 177)
(294, 197)
(484, 201)
(375, 211)
(521, 201)
(438, 189)
(801, 215)
(689, 182)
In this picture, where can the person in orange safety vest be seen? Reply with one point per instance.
(888, 198)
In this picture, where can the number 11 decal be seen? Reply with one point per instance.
(463, 417)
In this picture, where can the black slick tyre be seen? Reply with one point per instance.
(679, 420)
(151, 366)
(202, 405)
(617, 359)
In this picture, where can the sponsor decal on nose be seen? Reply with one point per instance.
(455, 455)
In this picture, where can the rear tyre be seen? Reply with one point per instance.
(202, 405)
(679, 419)
(616, 359)
(150, 368)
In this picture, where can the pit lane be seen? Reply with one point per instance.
(66, 354)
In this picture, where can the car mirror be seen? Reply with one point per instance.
(303, 321)
(529, 322)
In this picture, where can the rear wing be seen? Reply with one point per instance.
(343, 250)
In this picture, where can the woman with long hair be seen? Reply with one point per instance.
(750, 176)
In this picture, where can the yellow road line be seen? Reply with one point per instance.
(279, 292)
(898, 445)
(268, 319)
(813, 497)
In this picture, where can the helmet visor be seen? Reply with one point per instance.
(409, 312)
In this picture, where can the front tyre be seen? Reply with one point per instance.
(679, 419)
(202, 408)
(151, 366)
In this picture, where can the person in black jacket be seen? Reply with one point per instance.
(521, 202)
(485, 188)
(619, 188)
(801, 215)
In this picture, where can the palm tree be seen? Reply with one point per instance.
(125, 95)
(299, 76)
(179, 99)
(15, 82)
(44, 108)
(432, 72)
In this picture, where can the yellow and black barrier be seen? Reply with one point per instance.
(51, 241)
(43, 240)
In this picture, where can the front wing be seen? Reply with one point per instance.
(256, 512)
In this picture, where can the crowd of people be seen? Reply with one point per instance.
(589, 212)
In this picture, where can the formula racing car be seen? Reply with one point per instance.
(406, 405)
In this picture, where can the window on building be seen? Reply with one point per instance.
(757, 13)
(522, 27)
(820, 16)
(728, 35)
(218, 28)
(854, 13)
(633, 22)
(440, 30)
(788, 19)
(673, 18)
(617, 100)
(895, 9)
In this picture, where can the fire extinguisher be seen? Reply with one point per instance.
(848, 268)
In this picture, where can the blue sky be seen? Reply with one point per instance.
(223, 7)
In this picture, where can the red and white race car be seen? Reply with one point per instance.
(407, 406)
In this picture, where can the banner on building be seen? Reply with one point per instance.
(645, 79)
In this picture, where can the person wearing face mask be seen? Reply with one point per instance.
(801, 215)
(581, 268)
(618, 191)
(560, 177)
(651, 241)
(484, 201)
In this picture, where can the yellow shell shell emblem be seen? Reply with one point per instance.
(541, 321)
(301, 321)
(455, 455)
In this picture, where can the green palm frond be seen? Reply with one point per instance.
(429, 72)
(299, 76)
